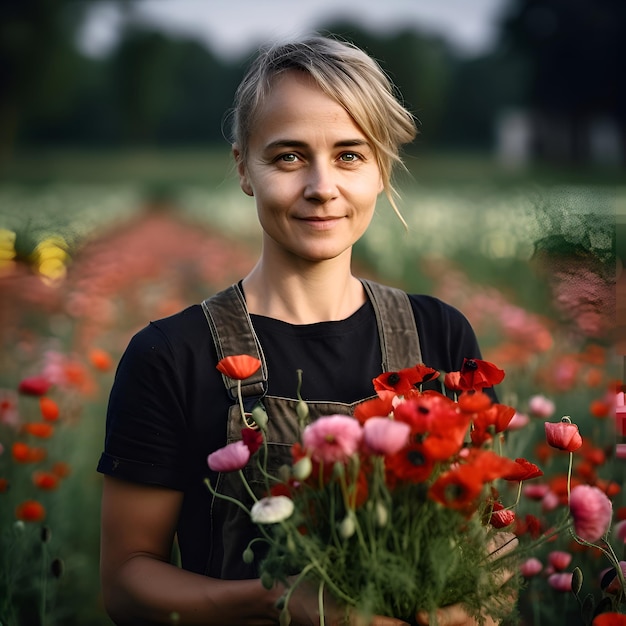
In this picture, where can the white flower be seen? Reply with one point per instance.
(271, 510)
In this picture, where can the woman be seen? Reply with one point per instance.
(317, 130)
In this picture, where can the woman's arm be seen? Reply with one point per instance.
(141, 586)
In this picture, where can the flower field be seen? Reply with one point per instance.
(83, 265)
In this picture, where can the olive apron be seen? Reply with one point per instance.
(233, 334)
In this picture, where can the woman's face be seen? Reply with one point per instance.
(311, 170)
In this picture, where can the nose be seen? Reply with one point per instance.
(320, 185)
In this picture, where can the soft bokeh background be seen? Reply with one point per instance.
(118, 204)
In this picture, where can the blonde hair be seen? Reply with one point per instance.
(348, 75)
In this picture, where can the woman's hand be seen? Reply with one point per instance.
(304, 611)
(456, 614)
(453, 615)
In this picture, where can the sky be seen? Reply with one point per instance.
(231, 28)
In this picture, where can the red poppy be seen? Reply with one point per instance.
(610, 487)
(600, 408)
(404, 381)
(595, 456)
(474, 401)
(458, 489)
(34, 386)
(487, 423)
(411, 464)
(252, 438)
(49, 409)
(45, 480)
(4, 485)
(100, 359)
(380, 406)
(61, 469)
(525, 471)
(529, 525)
(436, 423)
(563, 435)
(452, 380)
(501, 517)
(239, 367)
(489, 465)
(30, 511)
(477, 374)
(20, 452)
(281, 489)
(37, 454)
(609, 619)
(43, 430)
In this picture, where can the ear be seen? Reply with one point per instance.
(244, 183)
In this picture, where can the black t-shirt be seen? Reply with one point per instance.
(168, 405)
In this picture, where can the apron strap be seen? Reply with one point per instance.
(399, 339)
(233, 334)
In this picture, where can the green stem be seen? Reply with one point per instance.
(569, 475)
(207, 482)
(320, 602)
(44, 582)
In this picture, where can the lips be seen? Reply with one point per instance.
(317, 222)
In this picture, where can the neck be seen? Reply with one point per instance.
(319, 292)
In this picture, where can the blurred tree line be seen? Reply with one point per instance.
(555, 68)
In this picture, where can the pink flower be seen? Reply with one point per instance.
(591, 510)
(531, 567)
(535, 491)
(518, 421)
(559, 559)
(385, 436)
(563, 435)
(550, 501)
(230, 458)
(620, 530)
(561, 581)
(540, 406)
(333, 438)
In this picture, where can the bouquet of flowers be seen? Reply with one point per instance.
(395, 509)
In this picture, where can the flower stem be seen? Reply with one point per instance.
(207, 482)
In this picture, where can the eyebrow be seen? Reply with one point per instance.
(294, 143)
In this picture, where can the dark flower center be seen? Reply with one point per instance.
(393, 379)
(454, 492)
(416, 458)
(470, 365)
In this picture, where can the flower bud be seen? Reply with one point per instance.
(259, 415)
(347, 527)
(302, 468)
(248, 555)
(302, 410)
(267, 580)
(382, 515)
